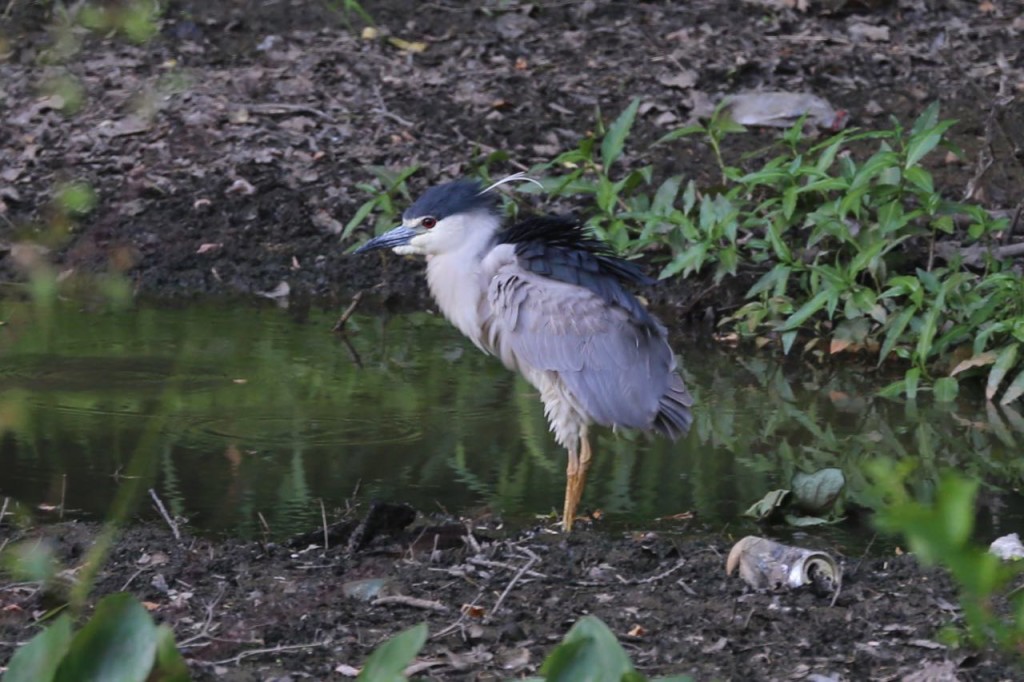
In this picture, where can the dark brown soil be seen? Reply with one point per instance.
(496, 606)
(226, 153)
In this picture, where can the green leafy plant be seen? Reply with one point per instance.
(391, 185)
(940, 533)
(840, 251)
(119, 642)
(844, 255)
(346, 8)
(390, 659)
(590, 651)
(810, 500)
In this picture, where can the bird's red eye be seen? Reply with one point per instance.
(428, 222)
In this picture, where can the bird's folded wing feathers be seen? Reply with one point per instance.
(617, 368)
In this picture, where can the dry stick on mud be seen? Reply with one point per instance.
(463, 615)
(204, 631)
(508, 588)
(3, 511)
(414, 602)
(323, 518)
(269, 650)
(654, 578)
(339, 326)
(490, 563)
(167, 517)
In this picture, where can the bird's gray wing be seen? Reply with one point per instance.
(617, 369)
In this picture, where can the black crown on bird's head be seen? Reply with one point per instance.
(451, 198)
(461, 196)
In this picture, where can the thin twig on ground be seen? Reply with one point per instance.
(339, 326)
(508, 588)
(269, 650)
(470, 539)
(167, 517)
(284, 109)
(63, 494)
(490, 563)
(414, 602)
(323, 518)
(132, 578)
(654, 578)
(204, 631)
(463, 615)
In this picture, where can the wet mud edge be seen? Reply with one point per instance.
(497, 602)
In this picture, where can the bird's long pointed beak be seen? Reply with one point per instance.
(399, 236)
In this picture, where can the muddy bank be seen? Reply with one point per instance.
(496, 604)
(226, 152)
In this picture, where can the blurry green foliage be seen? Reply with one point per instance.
(120, 642)
(590, 651)
(941, 531)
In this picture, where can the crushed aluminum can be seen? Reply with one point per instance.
(766, 564)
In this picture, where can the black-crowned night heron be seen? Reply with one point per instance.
(549, 301)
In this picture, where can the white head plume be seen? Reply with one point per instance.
(521, 176)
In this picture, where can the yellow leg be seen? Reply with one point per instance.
(575, 480)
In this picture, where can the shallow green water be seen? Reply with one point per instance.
(233, 412)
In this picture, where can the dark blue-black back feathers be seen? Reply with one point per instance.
(560, 248)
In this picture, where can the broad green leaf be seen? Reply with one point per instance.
(893, 390)
(681, 132)
(911, 380)
(690, 260)
(806, 311)
(768, 505)
(828, 155)
(923, 143)
(817, 492)
(945, 389)
(728, 261)
(789, 197)
(76, 197)
(1004, 363)
(929, 327)
(31, 560)
(920, 178)
(615, 139)
(606, 194)
(787, 341)
(779, 245)
(775, 278)
(118, 644)
(689, 197)
(928, 119)
(589, 652)
(359, 216)
(37, 660)
(170, 666)
(874, 167)
(955, 501)
(388, 662)
(890, 216)
(666, 195)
